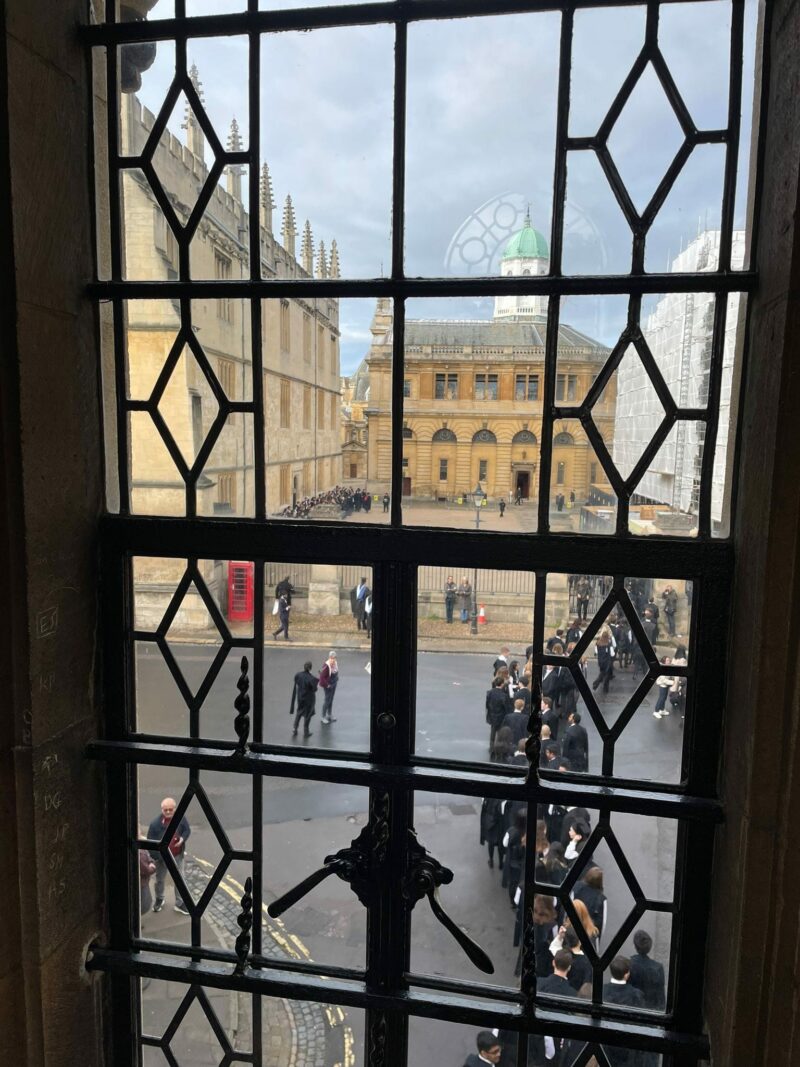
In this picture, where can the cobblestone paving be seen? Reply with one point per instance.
(294, 1033)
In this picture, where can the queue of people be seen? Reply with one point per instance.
(566, 940)
(563, 966)
(349, 500)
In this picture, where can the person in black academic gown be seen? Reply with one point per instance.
(498, 705)
(620, 991)
(647, 975)
(304, 692)
(575, 743)
(517, 722)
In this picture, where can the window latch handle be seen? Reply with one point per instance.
(424, 876)
(282, 904)
(352, 865)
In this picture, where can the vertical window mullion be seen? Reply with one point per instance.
(392, 732)
(398, 267)
(556, 245)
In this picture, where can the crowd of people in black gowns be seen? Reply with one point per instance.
(349, 500)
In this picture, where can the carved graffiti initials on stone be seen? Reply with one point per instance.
(46, 622)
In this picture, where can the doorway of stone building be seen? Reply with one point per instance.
(523, 484)
(406, 486)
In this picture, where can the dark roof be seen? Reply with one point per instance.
(494, 333)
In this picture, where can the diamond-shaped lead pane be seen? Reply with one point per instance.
(671, 484)
(637, 420)
(199, 1038)
(187, 405)
(193, 619)
(678, 329)
(646, 119)
(179, 164)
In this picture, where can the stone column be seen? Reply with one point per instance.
(323, 590)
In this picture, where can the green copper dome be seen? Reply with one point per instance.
(527, 244)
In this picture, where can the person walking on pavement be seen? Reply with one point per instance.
(304, 692)
(283, 617)
(449, 598)
(329, 679)
(385, 502)
(177, 847)
(502, 506)
(518, 497)
(284, 586)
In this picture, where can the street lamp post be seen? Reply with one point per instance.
(478, 498)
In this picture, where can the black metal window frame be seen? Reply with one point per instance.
(387, 990)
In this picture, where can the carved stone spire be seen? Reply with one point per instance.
(195, 139)
(307, 249)
(289, 227)
(234, 173)
(267, 200)
(334, 267)
(322, 261)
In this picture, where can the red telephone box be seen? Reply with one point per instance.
(240, 591)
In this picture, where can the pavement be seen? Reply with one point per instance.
(305, 821)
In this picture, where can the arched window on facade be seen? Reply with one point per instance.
(524, 437)
(444, 435)
(408, 433)
(563, 438)
(484, 437)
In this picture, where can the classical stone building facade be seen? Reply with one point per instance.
(300, 337)
(473, 395)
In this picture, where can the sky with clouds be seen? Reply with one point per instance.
(480, 139)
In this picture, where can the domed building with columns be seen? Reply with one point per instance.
(473, 393)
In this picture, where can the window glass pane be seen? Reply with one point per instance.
(215, 1022)
(469, 624)
(312, 109)
(488, 424)
(661, 358)
(480, 898)
(329, 609)
(186, 680)
(303, 823)
(186, 834)
(617, 708)
(485, 185)
(333, 460)
(626, 866)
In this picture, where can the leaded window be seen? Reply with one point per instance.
(194, 620)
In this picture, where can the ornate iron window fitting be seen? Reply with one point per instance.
(385, 865)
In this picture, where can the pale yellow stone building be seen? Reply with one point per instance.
(472, 397)
(355, 396)
(300, 338)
